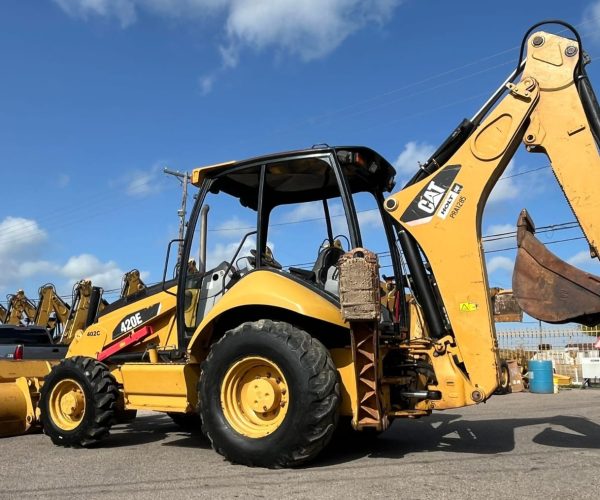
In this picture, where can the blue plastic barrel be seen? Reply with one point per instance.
(540, 376)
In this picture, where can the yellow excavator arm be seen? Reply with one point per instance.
(82, 292)
(552, 110)
(2, 314)
(19, 305)
(132, 283)
(51, 310)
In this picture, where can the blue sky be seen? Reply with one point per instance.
(97, 96)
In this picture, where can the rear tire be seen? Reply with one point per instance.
(78, 401)
(294, 372)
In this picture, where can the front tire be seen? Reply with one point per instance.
(78, 402)
(269, 395)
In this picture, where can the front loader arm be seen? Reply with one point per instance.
(442, 212)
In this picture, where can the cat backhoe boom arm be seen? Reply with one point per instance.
(552, 110)
(49, 303)
(19, 304)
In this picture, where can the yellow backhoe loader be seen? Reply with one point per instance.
(35, 354)
(52, 311)
(268, 358)
(20, 310)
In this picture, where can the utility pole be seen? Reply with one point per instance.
(184, 178)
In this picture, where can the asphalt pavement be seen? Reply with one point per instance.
(524, 446)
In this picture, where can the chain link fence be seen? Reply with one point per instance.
(565, 347)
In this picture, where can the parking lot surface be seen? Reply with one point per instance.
(514, 446)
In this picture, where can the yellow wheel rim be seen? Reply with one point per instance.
(254, 397)
(504, 377)
(67, 404)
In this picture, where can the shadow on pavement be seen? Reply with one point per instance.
(451, 433)
(152, 428)
(440, 432)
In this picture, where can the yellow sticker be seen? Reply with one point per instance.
(468, 307)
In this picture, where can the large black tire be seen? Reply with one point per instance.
(314, 395)
(100, 394)
(504, 387)
(189, 422)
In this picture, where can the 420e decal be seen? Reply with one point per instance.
(134, 320)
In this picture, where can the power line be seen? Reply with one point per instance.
(547, 243)
(317, 219)
(542, 229)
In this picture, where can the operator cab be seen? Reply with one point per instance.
(293, 213)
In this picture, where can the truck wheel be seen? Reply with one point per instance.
(188, 422)
(504, 387)
(78, 401)
(269, 395)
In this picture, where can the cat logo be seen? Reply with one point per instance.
(431, 198)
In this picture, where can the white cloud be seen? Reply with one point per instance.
(122, 10)
(370, 220)
(308, 29)
(499, 237)
(500, 229)
(302, 212)
(506, 188)
(591, 20)
(580, 258)
(86, 266)
(19, 237)
(500, 263)
(63, 180)
(221, 252)
(407, 163)
(229, 56)
(143, 183)
(206, 83)
(23, 242)
(585, 262)
(233, 228)
(32, 268)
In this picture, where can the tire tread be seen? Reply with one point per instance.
(324, 387)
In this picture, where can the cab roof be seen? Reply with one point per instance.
(302, 175)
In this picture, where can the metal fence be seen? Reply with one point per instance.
(565, 347)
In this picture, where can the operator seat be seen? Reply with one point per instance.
(325, 267)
